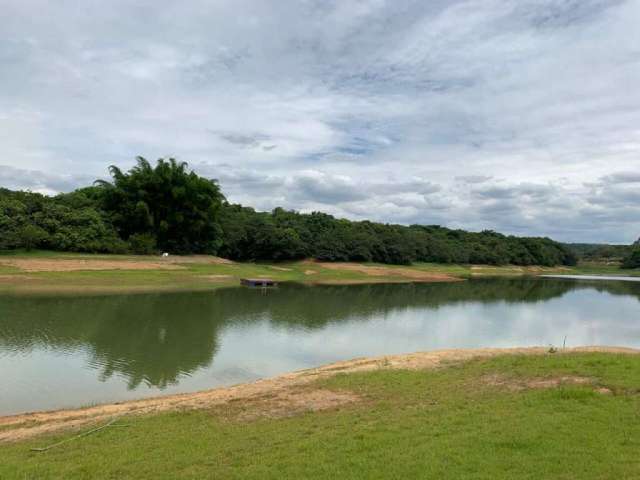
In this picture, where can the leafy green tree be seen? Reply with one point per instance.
(177, 207)
(633, 259)
(31, 220)
(31, 236)
(12, 214)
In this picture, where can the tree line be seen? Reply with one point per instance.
(168, 207)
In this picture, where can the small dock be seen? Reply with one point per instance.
(258, 282)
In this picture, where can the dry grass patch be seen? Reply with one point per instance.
(520, 384)
(290, 402)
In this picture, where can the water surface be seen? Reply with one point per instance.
(65, 351)
(619, 278)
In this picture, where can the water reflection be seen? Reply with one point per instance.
(145, 343)
(150, 338)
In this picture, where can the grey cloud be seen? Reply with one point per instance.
(11, 177)
(520, 191)
(248, 141)
(241, 179)
(473, 178)
(615, 196)
(242, 140)
(621, 177)
(420, 186)
(498, 207)
(566, 13)
(325, 188)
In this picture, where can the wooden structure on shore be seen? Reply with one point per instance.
(258, 282)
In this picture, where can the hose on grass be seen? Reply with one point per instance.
(81, 435)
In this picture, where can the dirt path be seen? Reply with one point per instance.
(281, 391)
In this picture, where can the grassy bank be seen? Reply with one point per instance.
(569, 416)
(60, 272)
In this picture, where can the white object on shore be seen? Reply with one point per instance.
(165, 254)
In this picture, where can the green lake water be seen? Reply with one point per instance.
(69, 351)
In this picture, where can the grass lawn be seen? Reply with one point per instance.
(564, 416)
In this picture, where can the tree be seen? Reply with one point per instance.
(31, 236)
(12, 214)
(633, 259)
(176, 207)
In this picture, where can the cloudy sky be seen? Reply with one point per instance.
(519, 116)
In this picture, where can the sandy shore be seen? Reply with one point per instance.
(281, 391)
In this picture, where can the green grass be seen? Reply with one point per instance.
(441, 424)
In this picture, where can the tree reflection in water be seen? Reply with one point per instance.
(158, 338)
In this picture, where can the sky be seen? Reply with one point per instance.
(516, 116)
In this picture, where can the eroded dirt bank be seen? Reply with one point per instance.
(283, 392)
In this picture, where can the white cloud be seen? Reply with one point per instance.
(519, 117)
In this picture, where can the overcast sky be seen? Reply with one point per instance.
(521, 116)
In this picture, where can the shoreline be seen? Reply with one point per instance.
(27, 425)
(52, 273)
(99, 274)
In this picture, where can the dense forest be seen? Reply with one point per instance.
(167, 207)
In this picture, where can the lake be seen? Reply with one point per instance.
(66, 351)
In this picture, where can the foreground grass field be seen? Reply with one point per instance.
(564, 416)
(62, 272)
